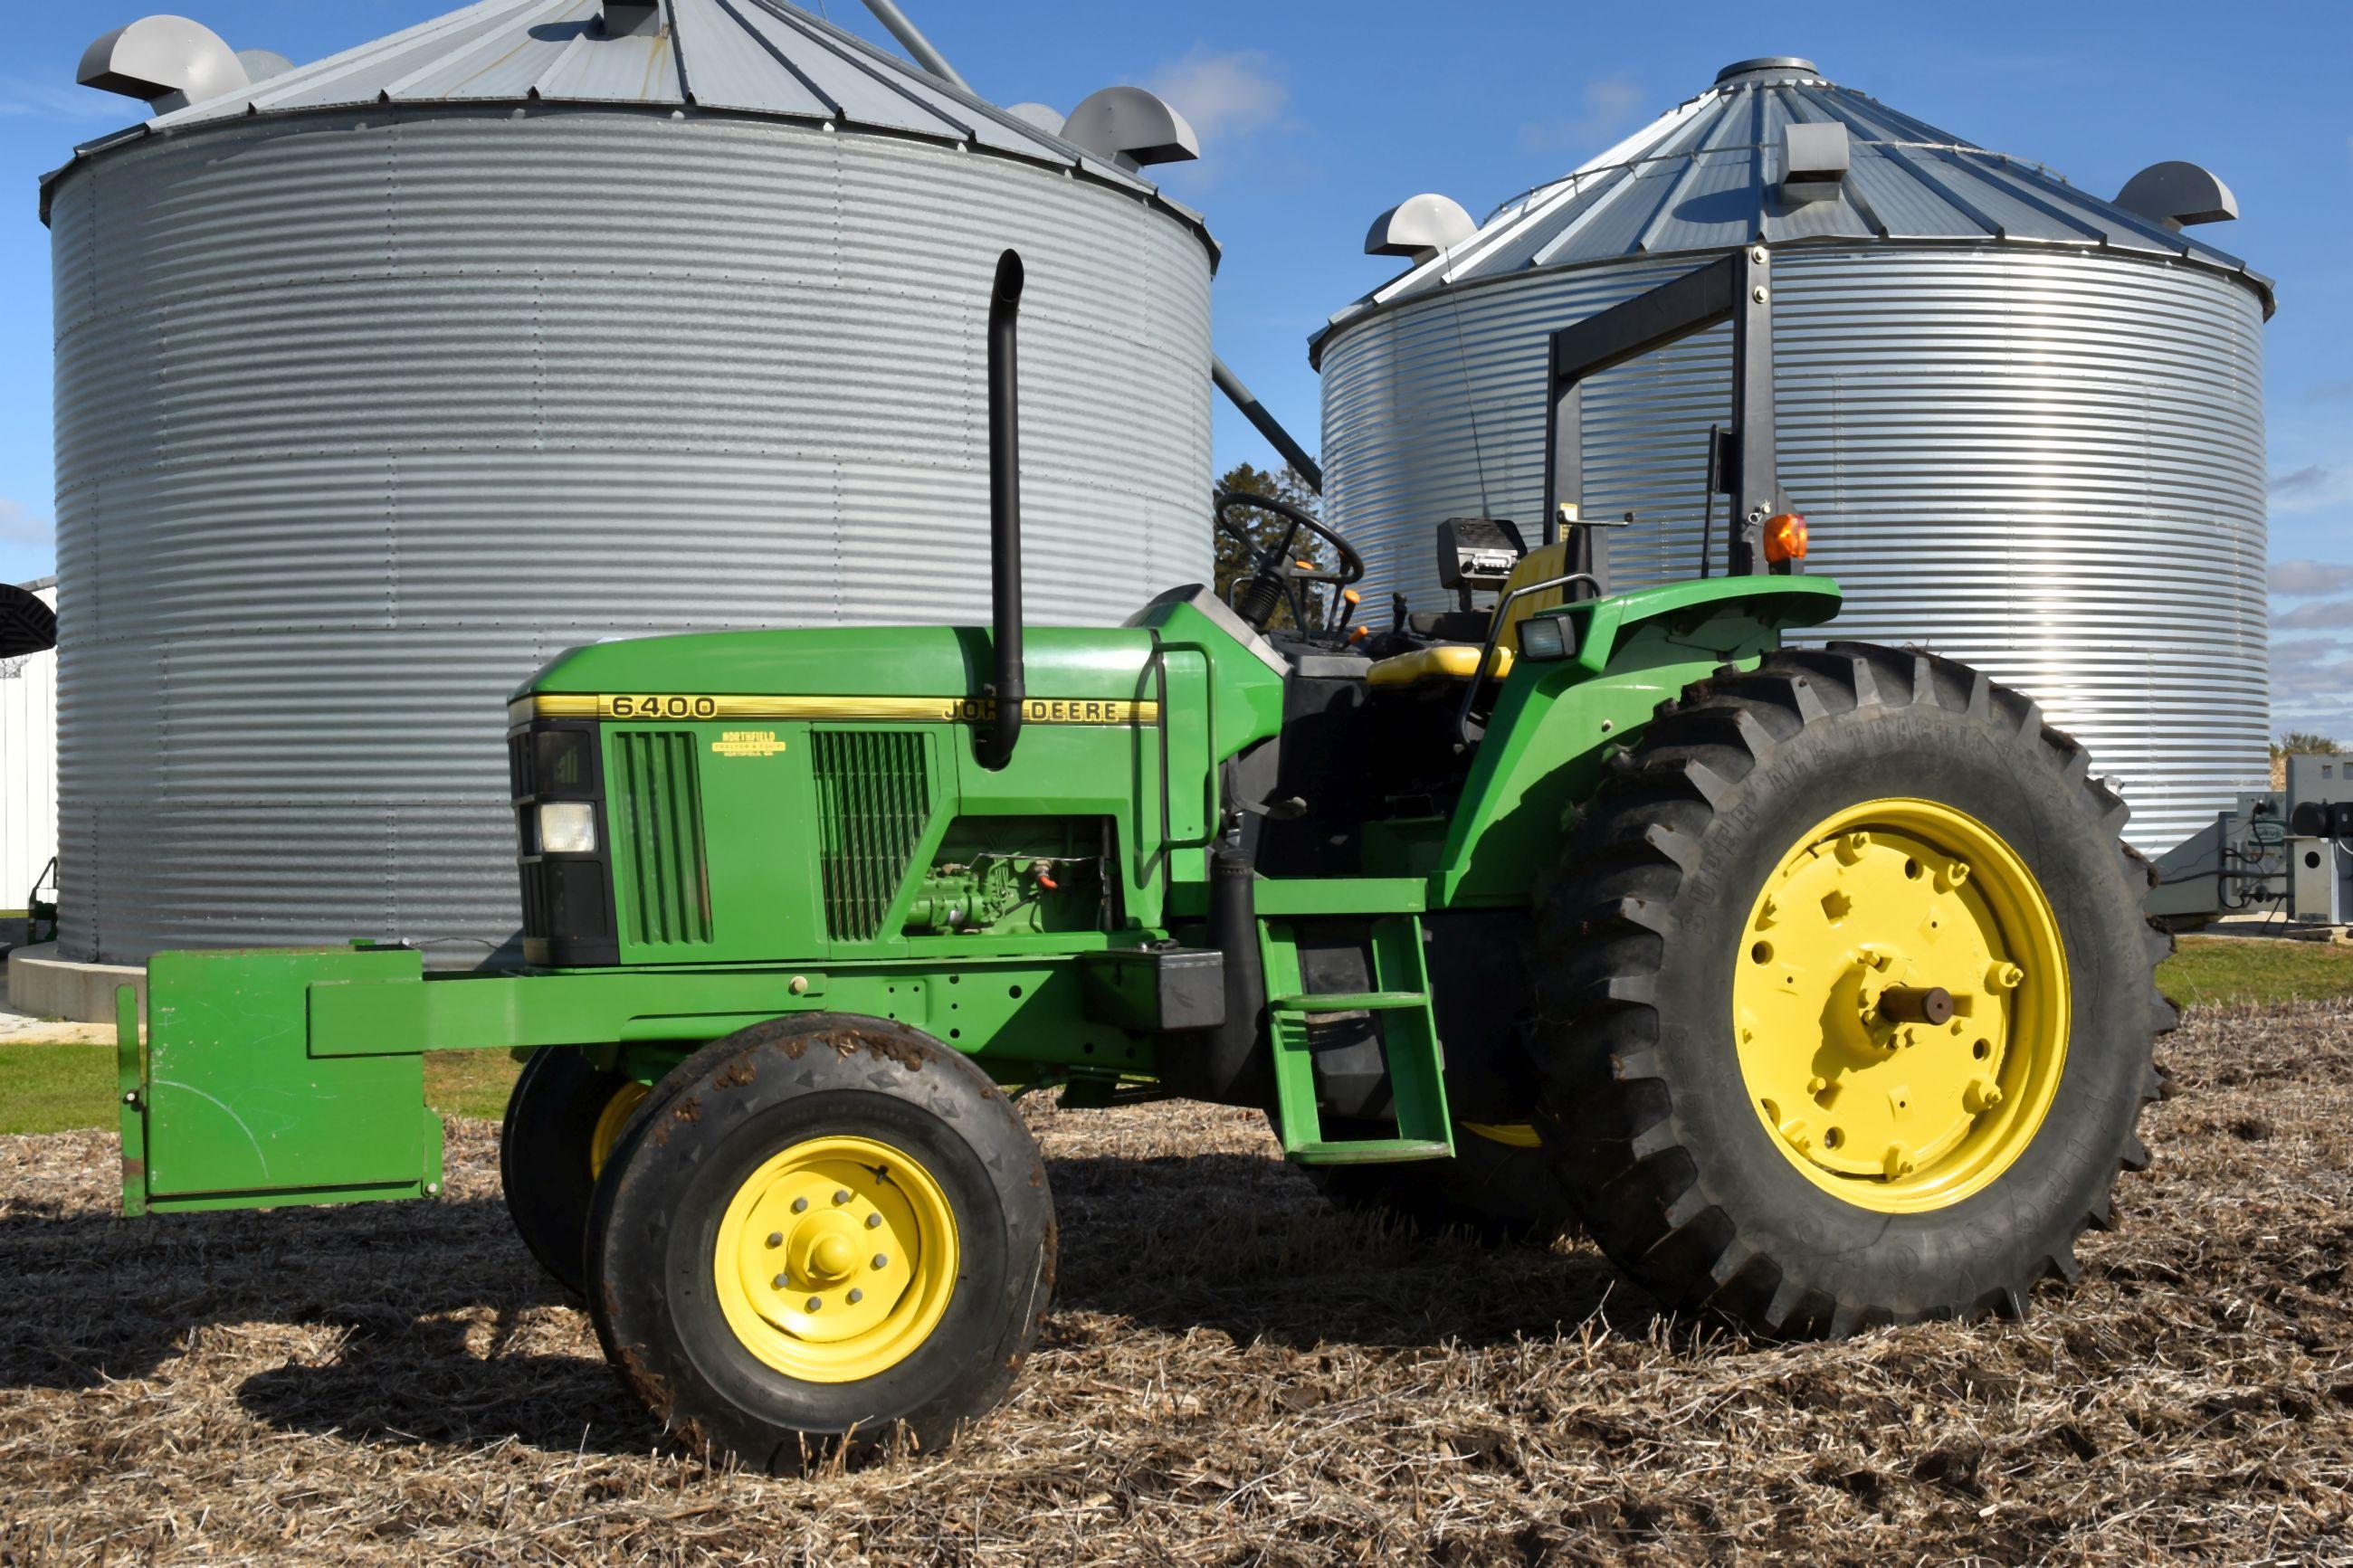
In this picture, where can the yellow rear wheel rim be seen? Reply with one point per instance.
(609, 1122)
(1513, 1135)
(836, 1260)
(1872, 913)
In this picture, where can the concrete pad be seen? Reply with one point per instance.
(44, 985)
(26, 1029)
(2271, 928)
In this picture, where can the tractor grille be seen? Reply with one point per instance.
(873, 800)
(657, 808)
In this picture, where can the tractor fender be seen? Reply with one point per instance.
(1556, 720)
(1717, 614)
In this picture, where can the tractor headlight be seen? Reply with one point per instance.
(1546, 637)
(568, 828)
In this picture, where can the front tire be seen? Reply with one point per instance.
(828, 1233)
(1847, 998)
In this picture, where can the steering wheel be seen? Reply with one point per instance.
(1276, 575)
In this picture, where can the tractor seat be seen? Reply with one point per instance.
(1459, 660)
(1446, 662)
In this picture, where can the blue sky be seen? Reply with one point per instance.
(1316, 115)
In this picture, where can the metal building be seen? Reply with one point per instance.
(2026, 423)
(383, 380)
(28, 738)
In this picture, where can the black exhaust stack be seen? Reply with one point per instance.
(1005, 509)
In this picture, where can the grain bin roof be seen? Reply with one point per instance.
(749, 57)
(1712, 173)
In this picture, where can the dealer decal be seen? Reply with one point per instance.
(748, 743)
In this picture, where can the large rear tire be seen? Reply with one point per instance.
(826, 1233)
(1847, 997)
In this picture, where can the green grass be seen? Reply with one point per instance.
(2210, 970)
(469, 1083)
(58, 1089)
(55, 1088)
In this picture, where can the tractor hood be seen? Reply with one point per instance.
(930, 672)
(948, 662)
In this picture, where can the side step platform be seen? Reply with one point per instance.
(1401, 1001)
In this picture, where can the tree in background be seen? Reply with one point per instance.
(2298, 743)
(2301, 743)
(1267, 528)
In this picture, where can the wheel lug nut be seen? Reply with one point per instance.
(840, 1196)
(776, 1238)
(881, 1260)
(800, 1206)
(782, 1280)
(815, 1303)
(874, 1221)
(856, 1296)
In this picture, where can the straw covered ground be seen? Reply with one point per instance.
(1233, 1375)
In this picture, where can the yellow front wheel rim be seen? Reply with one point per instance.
(1900, 1003)
(609, 1122)
(836, 1260)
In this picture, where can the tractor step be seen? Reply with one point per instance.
(1371, 1152)
(1410, 1048)
(1362, 1002)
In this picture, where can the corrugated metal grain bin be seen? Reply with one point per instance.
(2027, 424)
(384, 379)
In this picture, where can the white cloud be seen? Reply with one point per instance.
(2312, 487)
(2312, 686)
(2321, 615)
(1609, 106)
(2302, 579)
(22, 96)
(1226, 97)
(19, 526)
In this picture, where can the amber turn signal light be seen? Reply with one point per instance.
(1784, 538)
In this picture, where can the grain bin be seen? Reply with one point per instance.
(2027, 422)
(382, 380)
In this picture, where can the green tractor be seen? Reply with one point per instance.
(1813, 983)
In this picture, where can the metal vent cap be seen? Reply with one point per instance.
(1768, 68)
(167, 61)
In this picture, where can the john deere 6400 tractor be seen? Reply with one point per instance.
(1813, 982)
